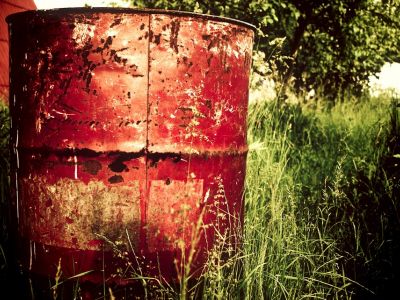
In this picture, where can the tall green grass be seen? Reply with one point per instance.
(322, 207)
(318, 199)
(289, 252)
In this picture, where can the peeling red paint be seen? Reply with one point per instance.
(128, 135)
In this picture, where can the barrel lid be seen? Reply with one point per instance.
(121, 10)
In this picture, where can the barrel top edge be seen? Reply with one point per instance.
(120, 10)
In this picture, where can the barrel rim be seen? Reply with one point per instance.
(86, 10)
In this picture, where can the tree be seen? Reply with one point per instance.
(350, 41)
(331, 46)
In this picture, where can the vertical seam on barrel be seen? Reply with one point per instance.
(146, 150)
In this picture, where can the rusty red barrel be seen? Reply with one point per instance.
(128, 139)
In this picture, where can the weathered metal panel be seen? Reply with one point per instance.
(129, 138)
(88, 73)
(199, 76)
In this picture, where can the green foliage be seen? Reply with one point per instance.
(346, 42)
(330, 46)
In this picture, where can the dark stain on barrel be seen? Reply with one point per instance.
(208, 103)
(154, 158)
(108, 42)
(117, 21)
(173, 42)
(91, 166)
(49, 203)
(118, 166)
(157, 38)
(116, 179)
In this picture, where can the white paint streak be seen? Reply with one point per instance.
(17, 154)
(34, 250)
(207, 195)
(16, 148)
(64, 114)
(30, 255)
(17, 195)
(112, 32)
(76, 166)
(17, 139)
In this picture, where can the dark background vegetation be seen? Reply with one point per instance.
(331, 46)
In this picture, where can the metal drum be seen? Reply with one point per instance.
(128, 140)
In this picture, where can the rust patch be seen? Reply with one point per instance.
(76, 215)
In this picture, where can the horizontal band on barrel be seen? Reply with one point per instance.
(84, 152)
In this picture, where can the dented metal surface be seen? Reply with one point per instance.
(128, 133)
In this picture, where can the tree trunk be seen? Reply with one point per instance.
(295, 45)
